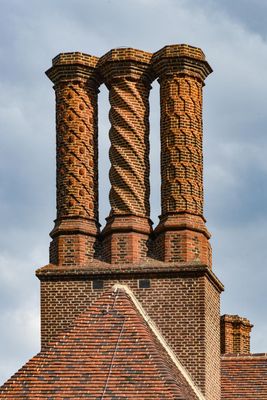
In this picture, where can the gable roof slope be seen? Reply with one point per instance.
(110, 353)
(244, 376)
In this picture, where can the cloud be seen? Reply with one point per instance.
(235, 142)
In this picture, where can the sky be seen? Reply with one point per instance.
(233, 35)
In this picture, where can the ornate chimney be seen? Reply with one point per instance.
(168, 269)
(76, 226)
(181, 233)
(127, 74)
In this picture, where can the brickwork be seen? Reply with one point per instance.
(212, 340)
(183, 294)
(183, 303)
(181, 141)
(235, 335)
(76, 88)
(181, 70)
(125, 239)
(127, 74)
(183, 239)
(181, 234)
(112, 352)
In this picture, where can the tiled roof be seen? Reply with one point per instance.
(244, 377)
(111, 353)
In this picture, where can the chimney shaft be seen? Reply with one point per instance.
(76, 226)
(235, 334)
(127, 74)
(182, 235)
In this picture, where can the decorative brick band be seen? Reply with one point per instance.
(76, 87)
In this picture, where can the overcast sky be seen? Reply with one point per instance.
(233, 34)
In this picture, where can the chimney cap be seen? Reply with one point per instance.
(181, 58)
(236, 319)
(72, 66)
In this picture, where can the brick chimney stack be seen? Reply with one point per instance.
(235, 334)
(181, 233)
(127, 74)
(76, 225)
(172, 276)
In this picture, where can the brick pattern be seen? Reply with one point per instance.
(130, 362)
(235, 334)
(182, 240)
(181, 128)
(71, 249)
(184, 304)
(127, 74)
(76, 88)
(181, 232)
(125, 248)
(76, 111)
(212, 340)
(181, 145)
(244, 377)
(129, 152)
(125, 239)
(177, 303)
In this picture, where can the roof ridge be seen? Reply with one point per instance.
(161, 339)
(243, 356)
(166, 371)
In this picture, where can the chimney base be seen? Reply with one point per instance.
(125, 239)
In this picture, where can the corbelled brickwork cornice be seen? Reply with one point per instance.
(126, 63)
(181, 58)
(74, 66)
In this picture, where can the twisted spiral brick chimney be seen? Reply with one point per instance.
(181, 233)
(127, 74)
(76, 225)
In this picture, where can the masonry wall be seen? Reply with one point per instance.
(176, 301)
(212, 338)
(183, 297)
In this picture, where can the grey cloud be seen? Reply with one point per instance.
(251, 14)
(235, 143)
